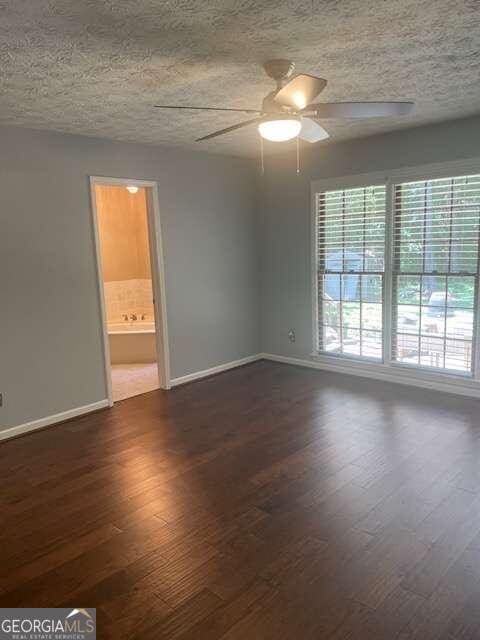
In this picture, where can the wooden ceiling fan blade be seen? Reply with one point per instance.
(300, 91)
(171, 106)
(311, 131)
(359, 109)
(228, 129)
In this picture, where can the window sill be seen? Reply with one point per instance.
(442, 381)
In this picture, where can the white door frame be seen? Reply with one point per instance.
(158, 276)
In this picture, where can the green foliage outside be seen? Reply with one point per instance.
(436, 231)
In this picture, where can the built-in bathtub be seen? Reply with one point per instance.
(132, 341)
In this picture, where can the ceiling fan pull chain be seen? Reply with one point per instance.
(261, 156)
(298, 155)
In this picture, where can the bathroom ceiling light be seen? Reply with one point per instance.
(132, 189)
(280, 129)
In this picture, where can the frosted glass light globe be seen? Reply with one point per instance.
(280, 130)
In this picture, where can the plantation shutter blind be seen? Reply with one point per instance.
(350, 248)
(435, 272)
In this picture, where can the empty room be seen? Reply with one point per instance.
(240, 320)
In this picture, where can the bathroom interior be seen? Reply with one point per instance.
(122, 220)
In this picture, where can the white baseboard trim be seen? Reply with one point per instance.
(20, 429)
(12, 432)
(457, 387)
(197, 375)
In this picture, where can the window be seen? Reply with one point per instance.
(435, 272)
(351, 257)
(397, 271)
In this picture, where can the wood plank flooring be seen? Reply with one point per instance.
(268, 502)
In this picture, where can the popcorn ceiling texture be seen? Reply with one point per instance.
(97, 67)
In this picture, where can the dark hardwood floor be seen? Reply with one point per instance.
(268, 502)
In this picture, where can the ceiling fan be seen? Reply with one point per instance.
(289, 111)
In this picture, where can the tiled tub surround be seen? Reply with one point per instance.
(127, 298)
(131, 341)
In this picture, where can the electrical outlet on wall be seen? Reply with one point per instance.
(291, 335)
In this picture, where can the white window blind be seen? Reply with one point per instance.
(435, 272)
(350, 247)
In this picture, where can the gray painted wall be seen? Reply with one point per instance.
(237, 252)
(284, 214)
(50, 330)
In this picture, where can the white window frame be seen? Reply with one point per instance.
(389, 369)
(380, 182)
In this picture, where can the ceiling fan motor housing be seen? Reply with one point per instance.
(279, 69)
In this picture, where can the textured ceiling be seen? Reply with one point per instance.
(97, 67)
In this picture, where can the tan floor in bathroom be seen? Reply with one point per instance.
(133, 379)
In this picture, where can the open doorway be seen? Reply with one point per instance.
(131, 286)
